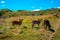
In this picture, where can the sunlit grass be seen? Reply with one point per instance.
(20, 33)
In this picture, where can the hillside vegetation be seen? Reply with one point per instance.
(10, 13)
(25, 31)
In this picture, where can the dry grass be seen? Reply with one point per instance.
(20, 33)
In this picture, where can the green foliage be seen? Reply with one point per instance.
(10, 13)
(1, 28)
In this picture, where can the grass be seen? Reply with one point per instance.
(20, 33)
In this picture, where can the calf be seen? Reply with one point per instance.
(36, 22)
(17, 22)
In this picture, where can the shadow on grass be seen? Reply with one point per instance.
(52, 30)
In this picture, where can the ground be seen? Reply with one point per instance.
(10, 32)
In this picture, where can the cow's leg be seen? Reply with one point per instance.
(19, 25)
(32, 25)
(49, 26)
(45, 26)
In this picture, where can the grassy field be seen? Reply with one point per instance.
(10, 32)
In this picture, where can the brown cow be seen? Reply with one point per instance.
(36, 22)
(17, 22)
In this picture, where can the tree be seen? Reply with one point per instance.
(6, 10)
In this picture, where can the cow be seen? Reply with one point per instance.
(48, 25)
(17, 22)
(36, 22)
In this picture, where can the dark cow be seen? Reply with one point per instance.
(17, 22)
(36, 22)
(47, 25)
